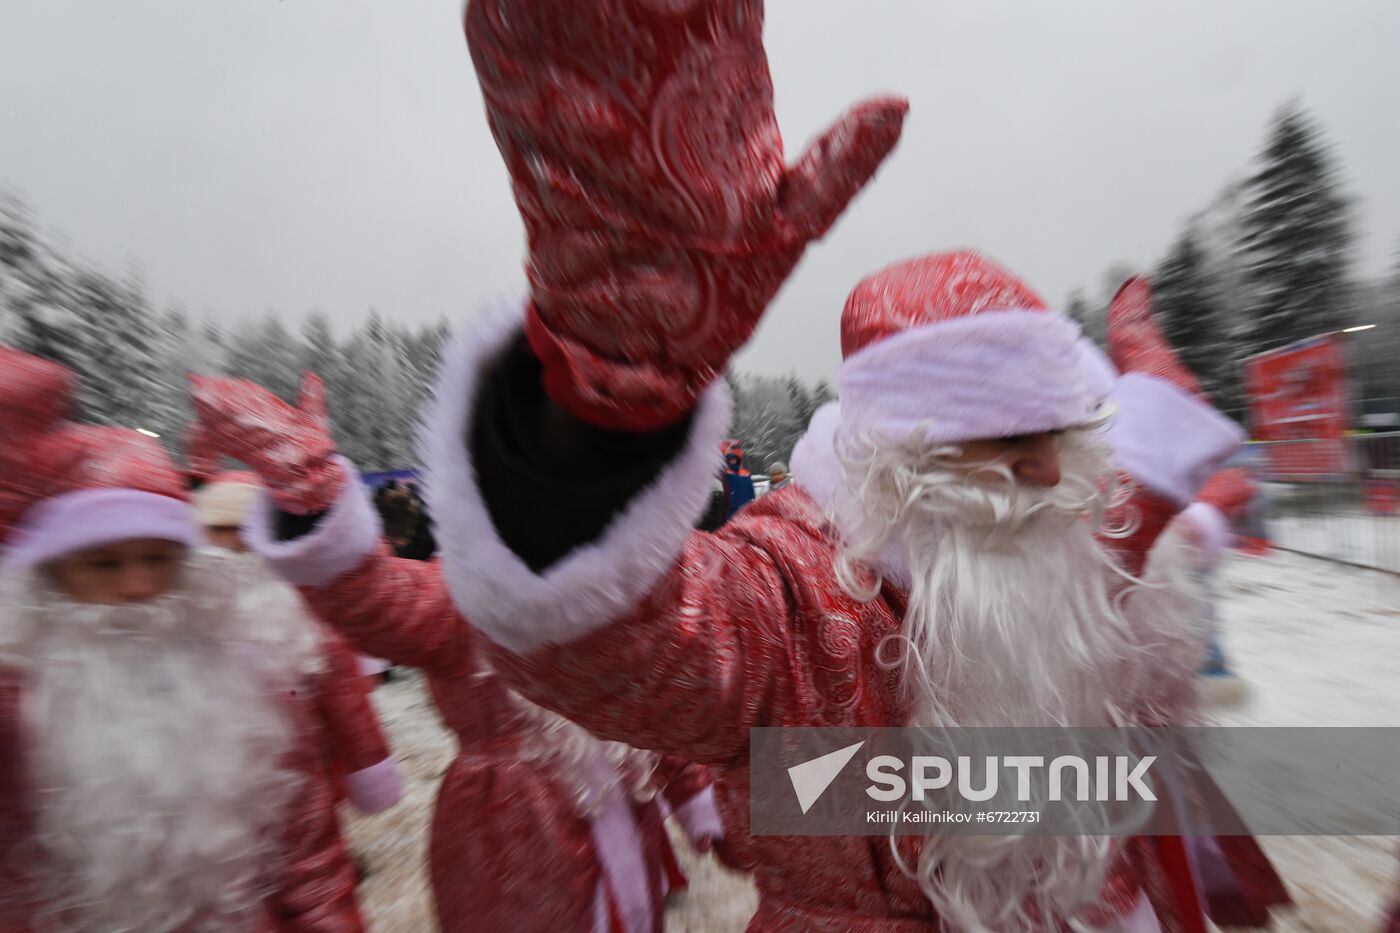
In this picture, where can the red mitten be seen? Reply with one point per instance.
(648, 167)
(1230, 491)
(1135, 342)
(201, 454)
(290, 449)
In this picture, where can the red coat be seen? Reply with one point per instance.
(752, 629)
(317, 891)
(350, 738)
(508, 850)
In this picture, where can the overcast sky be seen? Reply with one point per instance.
(290, 154)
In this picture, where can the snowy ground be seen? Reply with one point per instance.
(1318, 644)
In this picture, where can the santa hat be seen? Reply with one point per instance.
(66, 487)
(952, 347)
(226, 500)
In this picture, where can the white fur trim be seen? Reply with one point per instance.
(994, 374)
(597, 582)
(339, 543)
(699, 817)
(814, 464)
(1212, 529)
(222, 505)
(602, 919)
(371, 667)
(88, 518)
(1099, 373)
(1166, 439)
(816, 470)
(619, 848)
(376, 788)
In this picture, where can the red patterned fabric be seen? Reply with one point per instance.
(1136, 343)
(202, 455)
(928, 290)
(1230, 491)
(290, 448)
(679, 780)
(508, 849)
(36, 393)
(350, 737)
(753, 629)
(316, 893)
(649, 170)
(44, 455)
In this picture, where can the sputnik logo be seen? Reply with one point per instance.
(811, 778)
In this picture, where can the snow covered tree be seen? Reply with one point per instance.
(171, 408)
(1191, 316)
(268, 354)
(317, 350)
(771, 415)
(116, 348)
(36, 307)
(1297, 234)
(209, 350)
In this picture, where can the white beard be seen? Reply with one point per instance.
(1017, 616)
(158, 738)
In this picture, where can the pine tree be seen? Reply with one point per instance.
(37, 312)
(803, 405)
(1190, 315)
(113, 350)
(317, 347)
(265, 352)
(171, 408)
(1297, 234)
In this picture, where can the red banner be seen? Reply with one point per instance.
(1298, 403)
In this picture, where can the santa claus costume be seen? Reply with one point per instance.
(153, 774)
(354, 753)
(572, 446)
(538, 825)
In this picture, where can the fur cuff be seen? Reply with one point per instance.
(699, 817)
(1212, 530)
(376, 788)
(596, 583)
(345, 536)
(1167, 440)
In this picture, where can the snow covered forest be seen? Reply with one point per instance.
(1268, 262)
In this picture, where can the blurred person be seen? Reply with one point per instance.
(419, 543)
(738, 482)
(572, 443)
(394, 512)
(716, 509)
(778, 476)
(154, 774)
(1221, 503)
(956, 524)
(354, 753)
(538, 824)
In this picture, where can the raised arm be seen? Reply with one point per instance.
(317, 527)
(575, 551)
(576, 436)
